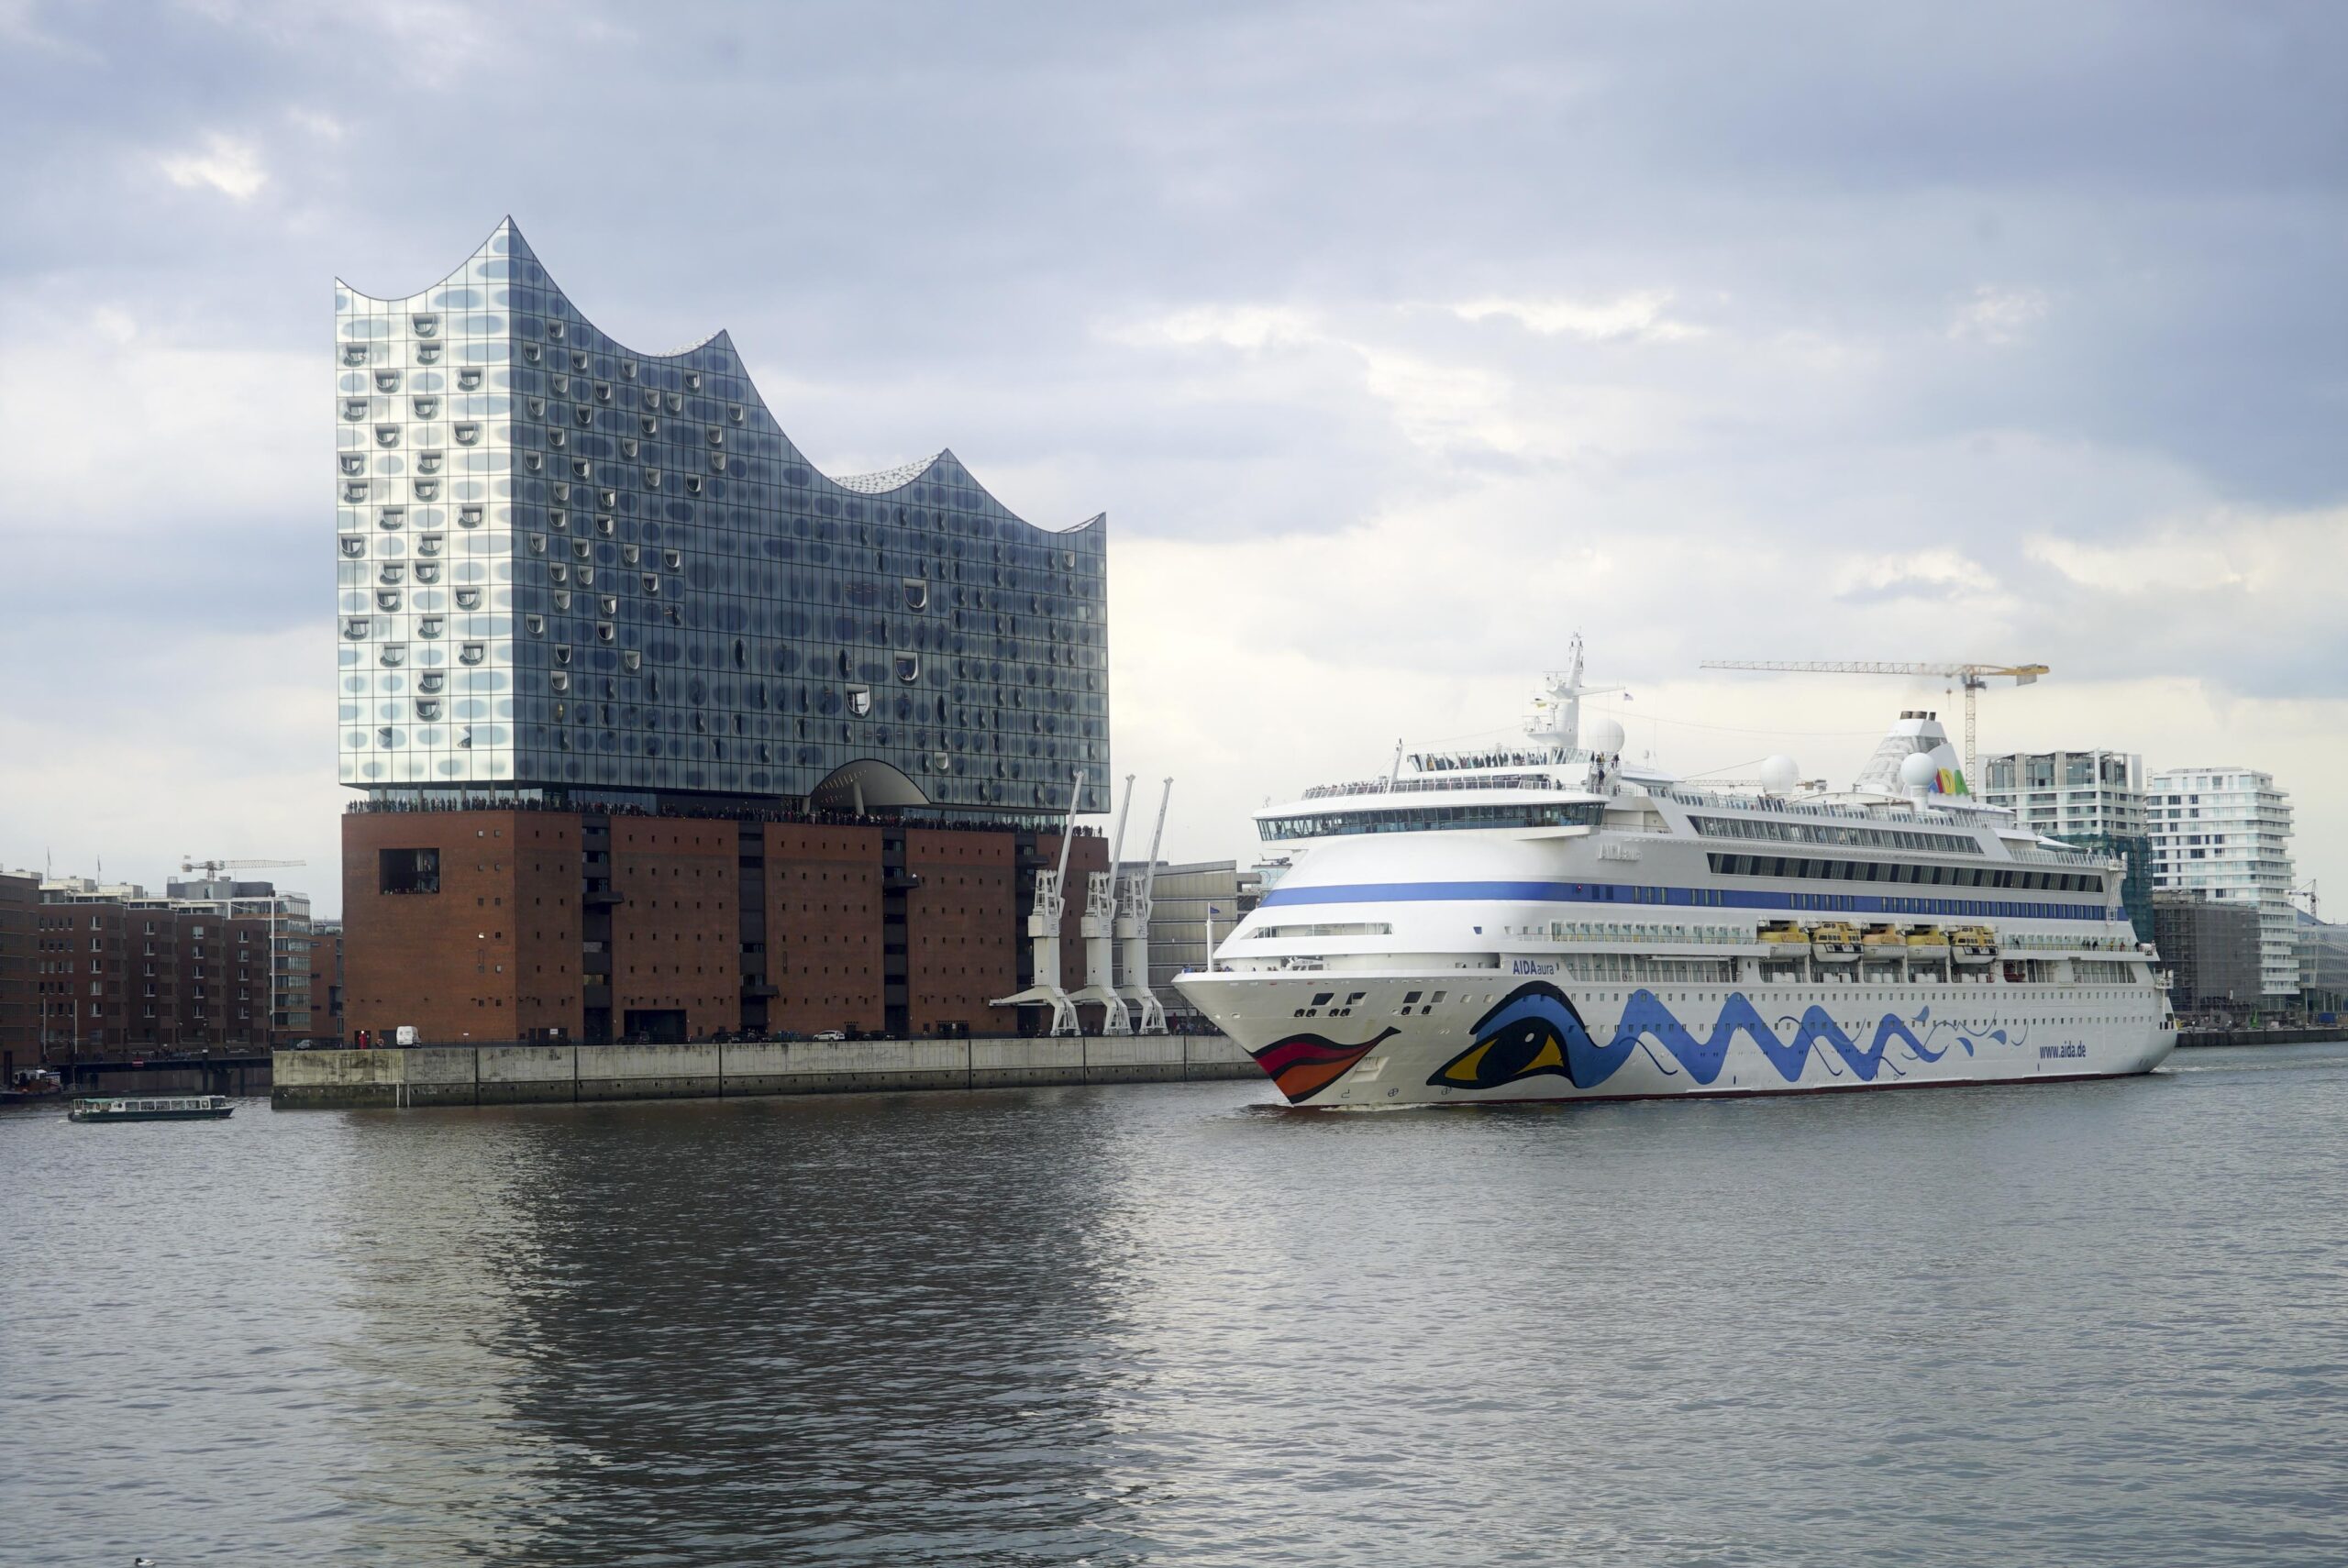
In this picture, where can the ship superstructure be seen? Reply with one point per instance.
(1548, 921)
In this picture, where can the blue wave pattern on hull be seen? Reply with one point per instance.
(1535, 1030)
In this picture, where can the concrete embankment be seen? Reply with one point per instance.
(511, 1074)
(2319, 1035)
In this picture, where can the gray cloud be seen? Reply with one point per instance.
(1796, 330)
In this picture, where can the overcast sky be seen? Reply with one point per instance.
(1398, 342)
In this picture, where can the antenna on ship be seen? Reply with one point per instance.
(1557, 712)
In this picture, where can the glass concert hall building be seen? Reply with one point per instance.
(584, 585)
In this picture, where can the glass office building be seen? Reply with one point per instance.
(572, 571)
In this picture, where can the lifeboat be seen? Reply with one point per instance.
(1784, 931)
(1883, 941)
(1834, 942)
(1974, 943)
(1928, 941)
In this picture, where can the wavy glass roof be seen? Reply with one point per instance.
(655, 590)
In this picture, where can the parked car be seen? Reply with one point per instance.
(830, 1034)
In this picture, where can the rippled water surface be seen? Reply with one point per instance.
(2091, 1324)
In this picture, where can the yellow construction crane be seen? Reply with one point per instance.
(1974, 676)
(212, 868)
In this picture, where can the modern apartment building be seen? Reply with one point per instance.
(662, 732)
(2225, 833)
(2093, 799)
(2210, 949)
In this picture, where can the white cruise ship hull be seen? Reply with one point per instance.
(1463, 1036)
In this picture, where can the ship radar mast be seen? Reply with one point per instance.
(1555, 721)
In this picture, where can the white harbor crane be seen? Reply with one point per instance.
(1044, 932)
(1973, 677)
(1099, 926)
(1133, 928)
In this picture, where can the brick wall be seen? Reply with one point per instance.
(824, 908)
(676, 936)
(963, 930)
(446, 961)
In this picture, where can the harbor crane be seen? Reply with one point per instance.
(1973, 677)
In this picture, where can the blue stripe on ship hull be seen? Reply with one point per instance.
(1713, 898)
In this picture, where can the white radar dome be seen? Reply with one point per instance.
(1917, 769)
(1778, 774)
(1606, 735)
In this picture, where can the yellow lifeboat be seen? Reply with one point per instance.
(1784, 931)
(1834, 942)
(1973, 944)
(1883, 937)
(1927, 937)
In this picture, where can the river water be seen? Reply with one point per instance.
(2100, 1323)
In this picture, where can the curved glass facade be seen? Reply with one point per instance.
(566, 565)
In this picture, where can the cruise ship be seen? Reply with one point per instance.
(1548, 922)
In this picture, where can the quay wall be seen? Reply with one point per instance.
(2320, 1035)
(525, 1074)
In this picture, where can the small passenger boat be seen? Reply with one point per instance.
(153, 1107)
